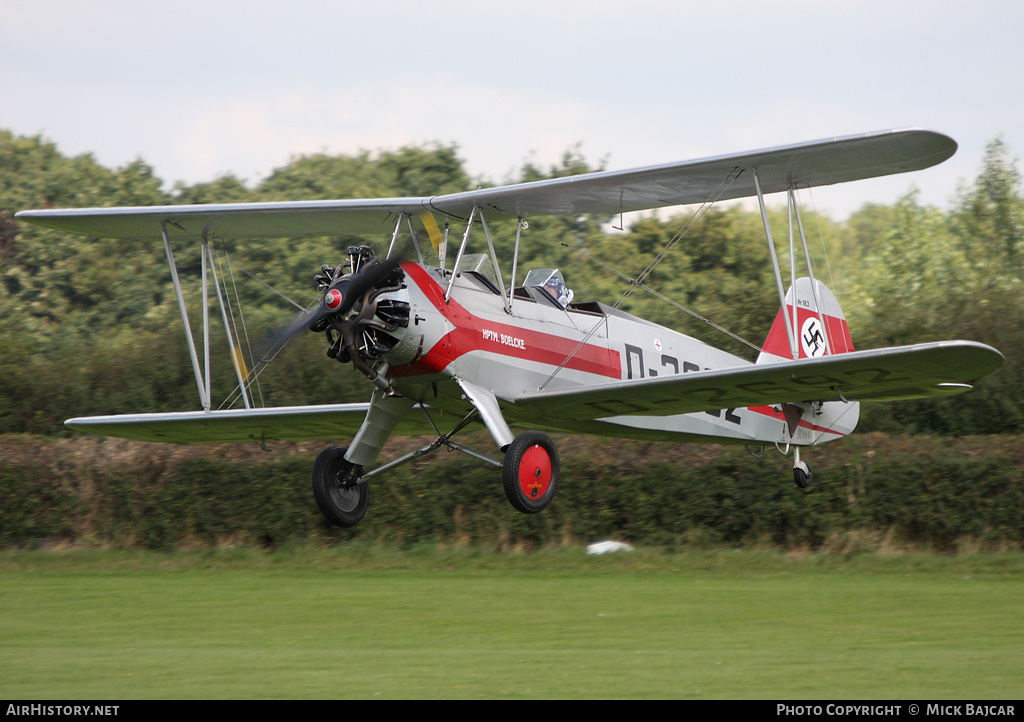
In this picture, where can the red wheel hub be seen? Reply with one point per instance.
(535, 472)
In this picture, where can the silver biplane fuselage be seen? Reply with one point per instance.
(471, 338)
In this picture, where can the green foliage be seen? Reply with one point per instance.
(990, 219)
(931, 493)
(930, 276)
(56, 286)
(226, 189)
(411, 171)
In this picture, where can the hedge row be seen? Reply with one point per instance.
(922, 491)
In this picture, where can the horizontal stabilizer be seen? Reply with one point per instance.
(905, 372)
(284, 423)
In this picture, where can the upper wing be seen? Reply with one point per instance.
(817, 163)
(905, 372)
(804, 165)
(285, 423)
(231, 220)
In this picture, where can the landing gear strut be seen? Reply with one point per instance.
(529, 474)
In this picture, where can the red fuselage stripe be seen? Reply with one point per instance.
(472, 333)
(771, 413)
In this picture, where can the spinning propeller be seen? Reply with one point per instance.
(358, 323)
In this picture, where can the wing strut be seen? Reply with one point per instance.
(775, 266)
(458, 257)
(520, 225)
(394, 236)
(795, 210)
(204, 397)
(415, 240)
(203, 375)
(494, 264)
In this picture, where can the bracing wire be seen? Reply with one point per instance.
(681, 233)
(828, 263)
(256, 367)
(263, 363)
(271, 288)
(232, 329)
(245, 331)
(824, 250)
(698, 214)
(666, 299)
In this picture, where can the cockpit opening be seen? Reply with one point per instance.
(551, 282)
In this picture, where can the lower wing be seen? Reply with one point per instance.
(905, 372)
(284, 423)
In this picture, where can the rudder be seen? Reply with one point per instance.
(812, 339)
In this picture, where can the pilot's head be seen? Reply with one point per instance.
(557, 289)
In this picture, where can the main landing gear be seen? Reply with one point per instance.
(801, 471)
(529, 474)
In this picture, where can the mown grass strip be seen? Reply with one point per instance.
(429, 622)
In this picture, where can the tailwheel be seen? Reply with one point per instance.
(341, 500)
(802, 475)
(530, 472)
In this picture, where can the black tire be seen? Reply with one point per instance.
(342, 501)
(802, 477)
(530, 472)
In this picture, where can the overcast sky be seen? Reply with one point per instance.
(203, 88)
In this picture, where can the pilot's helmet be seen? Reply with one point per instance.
(551, 282)
(555, 285)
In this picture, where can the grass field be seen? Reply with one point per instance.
(365, 622)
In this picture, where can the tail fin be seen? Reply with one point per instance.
(810, 338)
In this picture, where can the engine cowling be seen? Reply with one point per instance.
(364, 312)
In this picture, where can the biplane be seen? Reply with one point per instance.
(451, 340)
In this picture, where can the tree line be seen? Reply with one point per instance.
(91, 325)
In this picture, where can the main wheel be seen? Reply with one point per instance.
(341, 500)
(530, 472)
